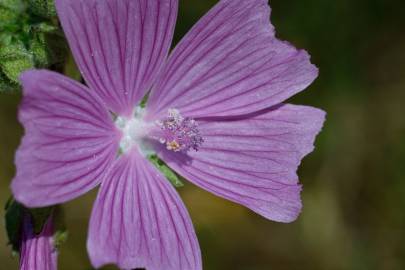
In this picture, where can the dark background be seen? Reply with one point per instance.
(354, 188)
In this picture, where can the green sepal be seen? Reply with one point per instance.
(59, 238)
(13, 220)
(39, 217)
(14, 59)
(144, 100)
(166, 171)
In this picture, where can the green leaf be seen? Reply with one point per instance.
(13, 219)
(10, 11)
(6, 16)
(47, 45)
(46, 27)
(6, 85)
(167, 172)
(56, 48)
(39, 50)
(43, 8)
(14, 59)
(13, 5)
(5, 39)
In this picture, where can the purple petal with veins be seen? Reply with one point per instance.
(214, 115)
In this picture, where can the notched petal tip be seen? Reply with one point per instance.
(289, 210)
(252, 160)
(69, 140)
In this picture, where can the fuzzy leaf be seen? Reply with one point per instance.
(43, 8)
(48, 45)
(39, 50)
(6, 16)
(14, 59)
(6, 85)
(46, 27)
(13, 5)
(56, 47)
(10, 11)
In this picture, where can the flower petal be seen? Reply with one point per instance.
(69, 140)
(37, 251)
(230, 63)
(119, 45)
(139, 221)
(253, 160)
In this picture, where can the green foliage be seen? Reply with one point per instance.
(8, 13)
(43, 8)
(6, 85)
(12, 6)
(14, 59)
(48, 45)
(167, 172)
(30, 37)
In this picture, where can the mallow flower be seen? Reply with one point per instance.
(37, 251)
(214, 114)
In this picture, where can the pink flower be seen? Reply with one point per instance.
(214, 115)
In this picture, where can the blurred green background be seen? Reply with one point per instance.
(354, 186)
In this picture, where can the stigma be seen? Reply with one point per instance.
(178, 133)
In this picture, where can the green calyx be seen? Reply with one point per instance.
(14, 219)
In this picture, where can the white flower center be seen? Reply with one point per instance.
(134, 132)
(179, 134)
